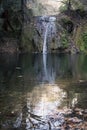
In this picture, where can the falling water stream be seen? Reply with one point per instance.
(49, 31)
(46, 26)
(45, 39)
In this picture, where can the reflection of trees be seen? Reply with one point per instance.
(7, 66)
(58, 67)
(73, 66)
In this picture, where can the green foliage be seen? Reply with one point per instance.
(64, 40)
(77, 5)
(84, 38)
(73, 5)
(66, 5)
(82, 48)
(63, 8)
(65, 20)
(82, 42)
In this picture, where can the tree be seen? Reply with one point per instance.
(69, 5)
(75, 4)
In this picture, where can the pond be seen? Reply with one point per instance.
(43, 92)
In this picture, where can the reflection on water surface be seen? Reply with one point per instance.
(37, 91)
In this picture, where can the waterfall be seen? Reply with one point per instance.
(45, 40)
(46, 28)
(50, 29)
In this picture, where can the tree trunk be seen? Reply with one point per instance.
(69, 5)
(22, 10)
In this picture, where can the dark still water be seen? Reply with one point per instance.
(43, 92)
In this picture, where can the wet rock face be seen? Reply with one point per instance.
(67, 24)
(8, 45)
(46, 32)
